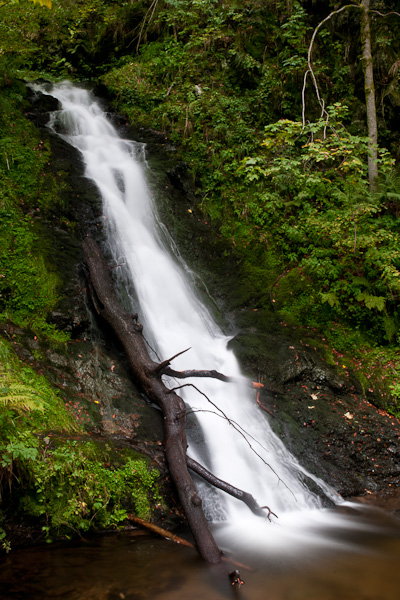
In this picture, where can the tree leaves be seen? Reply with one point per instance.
(46, 3)
(372, 302)
(313, 195)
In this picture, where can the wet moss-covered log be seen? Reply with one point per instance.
(148, 374)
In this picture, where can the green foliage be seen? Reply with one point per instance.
(310, 197)
(309, 234)
(29, 284)
(73, 487)
(63, 41)
(209, 75)
(28, 406)
(4, 543)
(26, 398)
(46, 3)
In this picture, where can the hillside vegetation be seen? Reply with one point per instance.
(284, 181)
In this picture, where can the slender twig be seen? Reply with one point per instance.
(151, 348)
(236, 426)
(355, 234)
(274, 284)
(263, 407)
(170, 88)
(385, 15)
(153, 8)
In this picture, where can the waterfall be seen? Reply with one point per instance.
(242, 451)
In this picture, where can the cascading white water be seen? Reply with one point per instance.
(245, 452)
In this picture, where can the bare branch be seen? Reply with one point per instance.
(200, 373)
(152, 8)
(245, 497)
(165, 363)
(264, 407)
(212, 374)
(310, 69)
(168, 535)
(385, 15)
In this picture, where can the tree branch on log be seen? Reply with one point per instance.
(165, 363)
(200, 373)
(205, 373)
(245, 497)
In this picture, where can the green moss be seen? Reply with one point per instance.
(37, 406)
(30, 286)
(78, 487)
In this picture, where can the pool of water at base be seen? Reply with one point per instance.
(137, 566)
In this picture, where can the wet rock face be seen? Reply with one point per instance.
(318, 412)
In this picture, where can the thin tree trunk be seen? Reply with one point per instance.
(369, 93)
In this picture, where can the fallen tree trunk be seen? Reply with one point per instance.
(148, 374)
(145, 371)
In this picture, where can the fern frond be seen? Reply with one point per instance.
(24, 402)
(18, 396)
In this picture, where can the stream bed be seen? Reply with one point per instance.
(137, 566)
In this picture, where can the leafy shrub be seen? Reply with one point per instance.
(72, 488)
(310, 197)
